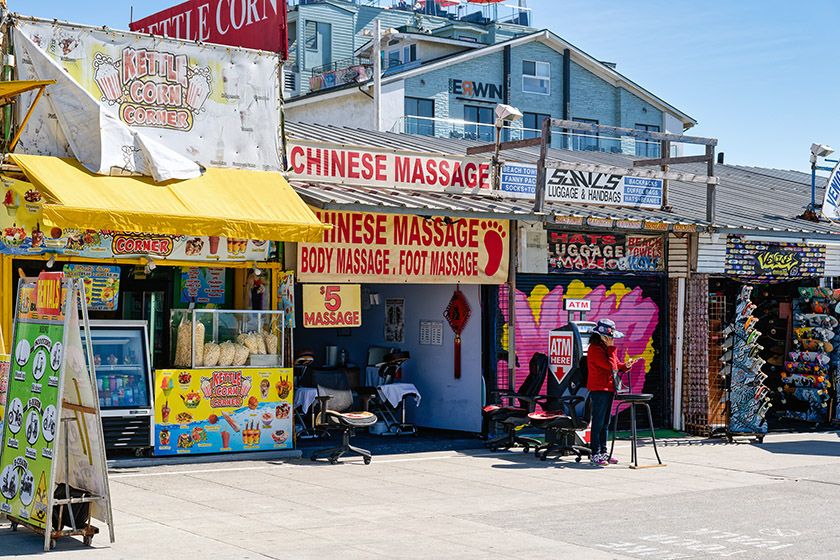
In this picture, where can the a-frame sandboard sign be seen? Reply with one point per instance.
(52, 456)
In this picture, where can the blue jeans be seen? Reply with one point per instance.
(602, 402)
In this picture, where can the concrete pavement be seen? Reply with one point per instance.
(714, 500)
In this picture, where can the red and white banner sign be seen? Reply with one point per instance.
(560, 352)
(237, 23)
(311, 161)
(394, 248)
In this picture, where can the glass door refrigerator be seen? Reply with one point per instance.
(124, 379)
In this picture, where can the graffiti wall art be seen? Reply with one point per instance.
(634, 308)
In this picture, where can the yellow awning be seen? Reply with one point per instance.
(225, 202)
(16, 87)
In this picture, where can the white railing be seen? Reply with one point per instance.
(454, 128)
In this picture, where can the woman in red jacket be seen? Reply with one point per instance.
(602, 358)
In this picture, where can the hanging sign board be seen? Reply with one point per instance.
(611, 252)
(394, 248)
(21, 233)
(770, 261)
(214, 105)
(52, 416)
(254, 25)
(336, 305)
(563, 185)
(570, 304)
(101, 283)
(310, 161)
(224, 410)
(202, 284)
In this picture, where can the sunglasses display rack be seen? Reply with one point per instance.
(747, 396)
(810, 370)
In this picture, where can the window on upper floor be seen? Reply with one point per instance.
(310, 35)
(584, 140)
(536, 77)
(648, 148)
(483, 119)
(418, 116)
(402, 55)
(532, 123)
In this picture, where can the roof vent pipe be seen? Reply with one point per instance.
(720, 158)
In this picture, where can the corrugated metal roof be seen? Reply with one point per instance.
(750, 198)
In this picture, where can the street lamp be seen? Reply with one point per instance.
(817, 150)
(504, 113)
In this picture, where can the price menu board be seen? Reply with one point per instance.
(31, 418)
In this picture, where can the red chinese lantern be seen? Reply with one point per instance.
(457, 313)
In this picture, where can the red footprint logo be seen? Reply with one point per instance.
(493, 242)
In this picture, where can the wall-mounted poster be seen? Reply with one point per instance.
(769, 261)
(395, 320)
(202, 284)
(598, 252)
(101, 282)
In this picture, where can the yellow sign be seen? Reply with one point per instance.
(332, 305)
(222, 410)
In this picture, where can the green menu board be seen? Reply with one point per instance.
(31, 419)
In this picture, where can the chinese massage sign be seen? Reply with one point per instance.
(392, 248)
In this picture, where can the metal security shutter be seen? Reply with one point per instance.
(638, 305)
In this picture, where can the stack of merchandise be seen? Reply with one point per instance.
(807, 376)
(748, 396)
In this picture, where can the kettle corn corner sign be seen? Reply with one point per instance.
(393, 248)
(213, 104)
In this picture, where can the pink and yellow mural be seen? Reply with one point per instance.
(537, 313)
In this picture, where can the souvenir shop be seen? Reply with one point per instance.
(772, 314)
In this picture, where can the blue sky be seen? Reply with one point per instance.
(756, 75)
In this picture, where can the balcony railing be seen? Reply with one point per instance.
(341, 64)
(473, 13)
(453, 128)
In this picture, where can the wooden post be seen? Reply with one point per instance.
(665, 153)
(710, 186)
(512, 306)
(539, 194)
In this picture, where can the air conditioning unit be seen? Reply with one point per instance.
(291, 83)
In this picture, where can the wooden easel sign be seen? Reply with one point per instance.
(52, 438)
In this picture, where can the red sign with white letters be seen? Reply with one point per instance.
(237, 23)
(560, 352)
(387, 168)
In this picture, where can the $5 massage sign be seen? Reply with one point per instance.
(392, 248)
